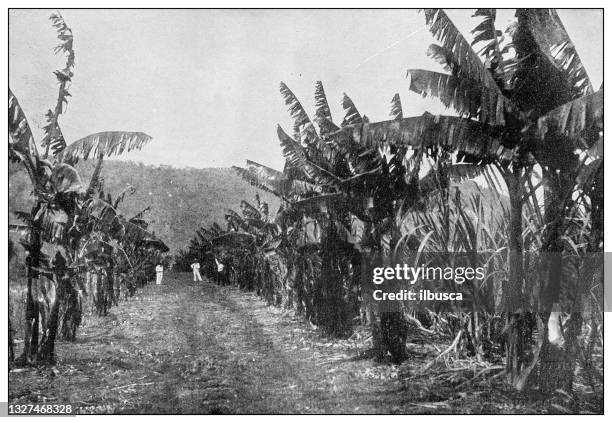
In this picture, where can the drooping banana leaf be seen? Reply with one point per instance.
(21, 143)
(104, 144)
(275, 182)
(454, 133)
(467, 65)
(463, 94)
(555, 44)
(487, 33)
(574, 118)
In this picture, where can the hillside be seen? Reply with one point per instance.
(181, 200)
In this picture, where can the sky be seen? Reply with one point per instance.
(205, 83)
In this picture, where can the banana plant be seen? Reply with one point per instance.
(56, 186)
(533, 103)
(335, 178)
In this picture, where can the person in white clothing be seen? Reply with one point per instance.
(220, 266)
(220, 272)
(196, 271)
(159, 270)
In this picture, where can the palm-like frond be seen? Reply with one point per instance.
(574, 118)
(53, 139)
(216, 229)
(230, 212)
(444, 57)
(249, 211)
(297, 157)
(396, 107)
(466, 64)
(486, 32)
(53, 221)
(323, 116)
(319, 204)
(207, 234)
(479, 141)
(300, 189)
(21, 142)
(294, 153)
(104, 144)
(303, 129)
(351, 114)
(259, 179)
(64, 34)
(447, 33)
(234, 220)
(555, 44)
(275, 182)
(464, 95)
(321, 105)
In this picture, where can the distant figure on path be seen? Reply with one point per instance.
(220, 272)
(159, 270)
(196, 271)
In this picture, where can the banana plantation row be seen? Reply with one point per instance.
(79, 249)
(357, 194)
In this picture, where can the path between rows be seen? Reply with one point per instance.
(185, 347)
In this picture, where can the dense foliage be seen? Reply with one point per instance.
(75, 240)
(359, 194)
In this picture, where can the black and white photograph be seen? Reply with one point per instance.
(304, 211)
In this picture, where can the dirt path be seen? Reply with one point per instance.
(184, 347)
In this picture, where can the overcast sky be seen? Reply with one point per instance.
(204, 83)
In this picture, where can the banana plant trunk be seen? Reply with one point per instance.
(388, 326)
(10, 340)
(31, 335)
(46, 353)
(554, 372)
(332, 309)
(518, 323)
